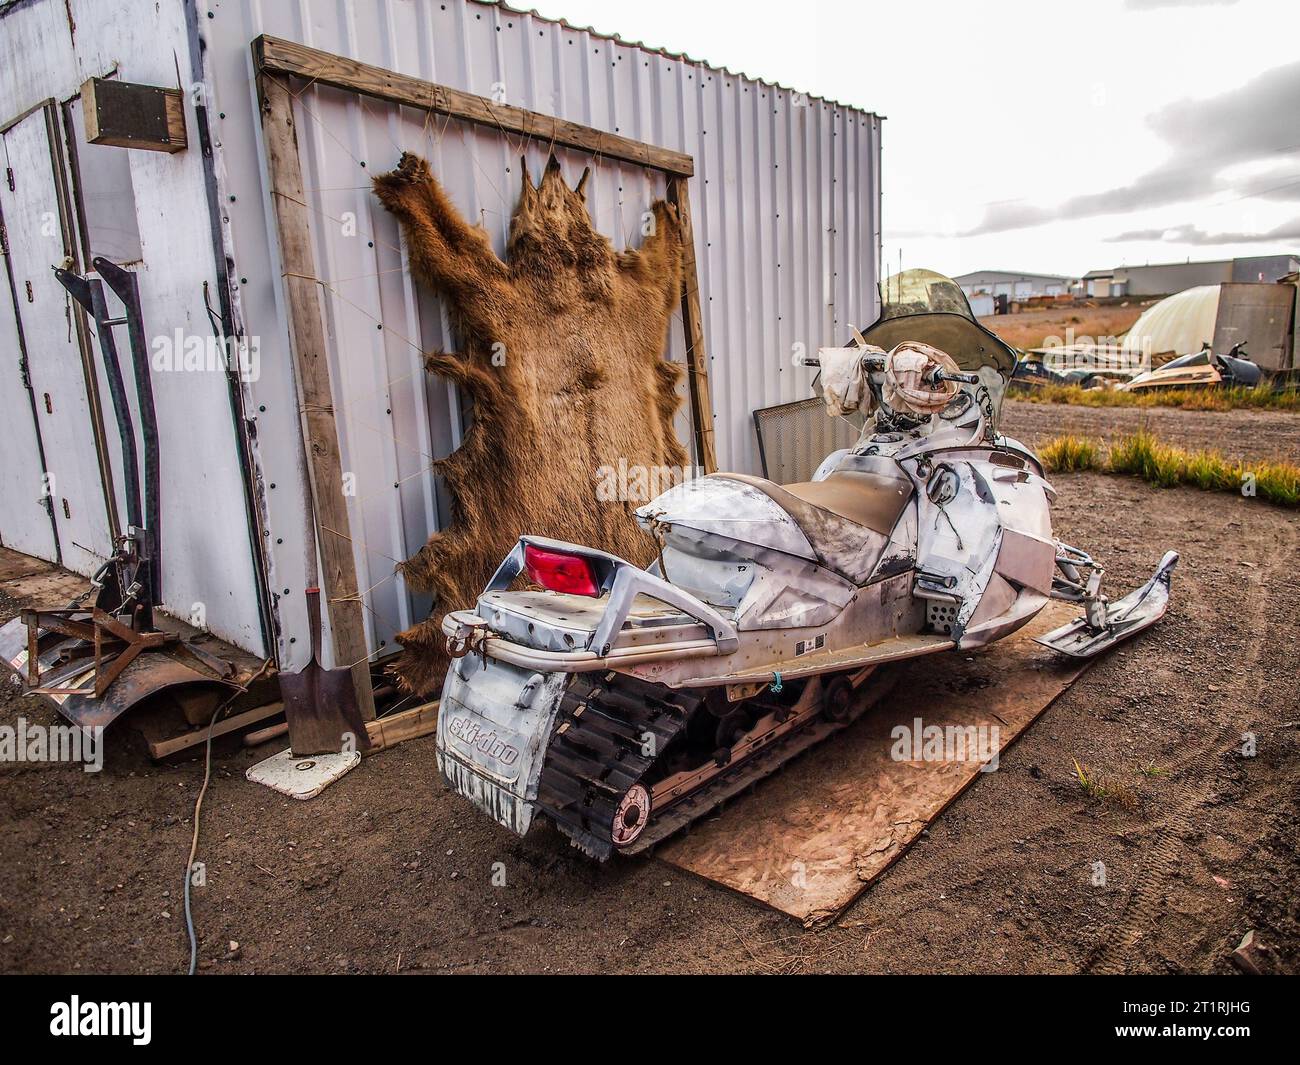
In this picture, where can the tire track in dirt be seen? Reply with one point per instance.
(1193, 777)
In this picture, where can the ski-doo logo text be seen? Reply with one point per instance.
(75, 1017)
(468, 732)
(946, 743)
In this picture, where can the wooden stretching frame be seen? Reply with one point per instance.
(276, 63)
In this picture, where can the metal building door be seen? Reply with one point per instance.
(26, 511)
(1261, 316)
(37, 235)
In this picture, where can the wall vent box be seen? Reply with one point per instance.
(133, 116)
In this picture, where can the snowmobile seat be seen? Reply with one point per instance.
(847, 517)
(872, 500)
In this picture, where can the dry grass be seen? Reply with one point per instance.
(1142, 455)
(1031, 328)
(1103, 789)
(1070, 454)
(1217, 399)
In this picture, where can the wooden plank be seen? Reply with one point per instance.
(810, 839)
(697, 360)
(159, 749)
(274, 55)
(338, 574)
(407, 725)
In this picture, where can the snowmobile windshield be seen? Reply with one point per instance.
(922, 292)
(926, 306)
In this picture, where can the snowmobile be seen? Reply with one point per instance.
(623, 702)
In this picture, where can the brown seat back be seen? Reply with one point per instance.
(847, 517)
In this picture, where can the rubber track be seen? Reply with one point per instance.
(604, 723)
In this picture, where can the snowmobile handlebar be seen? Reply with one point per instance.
(874, 363)
(938, 375)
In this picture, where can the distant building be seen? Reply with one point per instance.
(1163, 279)
(1012, 285)
(1266, 268)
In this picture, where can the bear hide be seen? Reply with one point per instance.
(562, 355)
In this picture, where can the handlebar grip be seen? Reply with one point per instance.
(939, 375)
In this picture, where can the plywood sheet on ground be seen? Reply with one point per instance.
(810, 839)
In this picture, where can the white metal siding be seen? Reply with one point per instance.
(47, 49)
(785, 200)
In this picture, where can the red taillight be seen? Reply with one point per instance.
(559, 572)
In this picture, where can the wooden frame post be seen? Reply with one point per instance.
(697, 364)
(337, 565)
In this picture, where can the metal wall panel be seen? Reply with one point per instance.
(48, 48)
(785, 200)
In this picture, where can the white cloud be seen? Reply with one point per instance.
(990, 114)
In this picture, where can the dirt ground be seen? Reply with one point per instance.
(1251, 435)
(387, 871)
(1030, 328)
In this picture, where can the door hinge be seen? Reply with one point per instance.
(4, 238)
(47, 501)
(24, 372)
(9, 177)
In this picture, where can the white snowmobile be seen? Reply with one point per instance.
(622, 703)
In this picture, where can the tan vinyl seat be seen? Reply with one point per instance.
(847, 517)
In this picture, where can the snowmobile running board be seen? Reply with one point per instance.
(461, 626)
(894, 649)
(1138, 610)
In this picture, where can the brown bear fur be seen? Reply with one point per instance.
(583, 383)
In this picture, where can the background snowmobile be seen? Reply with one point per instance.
(622, 702)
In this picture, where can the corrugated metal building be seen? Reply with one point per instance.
(1011, 284)
(1160, 279)
(786, 203)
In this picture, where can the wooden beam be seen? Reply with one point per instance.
(338, 574)
(406, 725)
(697, 360)
(159, 749)
(274, 55)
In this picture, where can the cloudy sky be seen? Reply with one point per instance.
(1054, 137)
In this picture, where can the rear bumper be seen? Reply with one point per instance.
(464, 625)
(494, 723)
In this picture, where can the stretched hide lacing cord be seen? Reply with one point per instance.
(517, 147)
